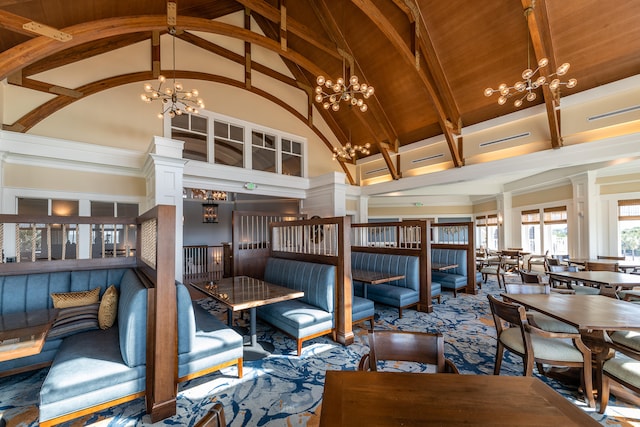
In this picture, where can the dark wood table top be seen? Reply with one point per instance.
(23, 334)
(613, 278)
(585, 312)
(243, 292)
(374, 277)
(623, 264)
(357, 398)
(438, 266)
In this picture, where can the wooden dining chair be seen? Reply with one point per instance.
(494, 266)
(516, 334)
(600, 266)
(421, 347)
(624, 368)
(213, 418)
(537, 319)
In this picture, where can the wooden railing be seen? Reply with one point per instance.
(399, 238)
(459, 236)
(30, 241)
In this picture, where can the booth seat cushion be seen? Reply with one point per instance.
(88, 370)
(132, 320)
(448, 280)
(408, 266)
(394, 296)
(451, 256)
(361, 308)
(296, 318)
(203, 340)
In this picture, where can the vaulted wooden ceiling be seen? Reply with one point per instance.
(429, 60)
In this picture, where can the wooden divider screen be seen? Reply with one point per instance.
(399, 238)
(325, 241)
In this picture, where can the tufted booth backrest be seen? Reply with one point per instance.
(29, 292)
(451, 256)
(132, 319)
(409, 266)
(317, 281)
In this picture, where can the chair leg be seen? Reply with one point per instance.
(455, 293)
(588, 383)
(499, 351)
(399, 312)
(371, 322)
(540, 368)
(299, 347)
(528, 365)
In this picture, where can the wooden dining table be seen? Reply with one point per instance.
(24, 334)
(624, 265)
(360, 398)
(369, 277)
(598, 278)
(242, 293)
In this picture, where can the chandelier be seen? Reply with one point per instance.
(175, 100)
(350, 151)
(525, 88)
(350, 91)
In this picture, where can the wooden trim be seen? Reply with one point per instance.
(213, 369)
(90, 410)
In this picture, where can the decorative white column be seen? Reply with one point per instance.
(326, 196)
(582, 223)
(505, 220)
(164, 171)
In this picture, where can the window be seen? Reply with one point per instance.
(545, 230)
(487, 231)
(629, 228)
(231, 142)
(263, 151)
(192, 130)
(112, 236)
(530, 236)
(291, 157)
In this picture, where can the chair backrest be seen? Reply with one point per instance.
(610, 291)
(406, 346)
(553, 262)
(618, 258)
(600, 266)
(514, 288)
(530, 277)
(560, 268)
(213, 418)
(512, 314)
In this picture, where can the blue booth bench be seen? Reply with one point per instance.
(455, 278)
(92, 368)
(401, 293)
(312, 315)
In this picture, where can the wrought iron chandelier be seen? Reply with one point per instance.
(350, 91)
(175, 100)
(530, 82)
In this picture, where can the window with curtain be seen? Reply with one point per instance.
(493, 236)
(481, 231)
(555, 231)
(629, 228)
(530, 231)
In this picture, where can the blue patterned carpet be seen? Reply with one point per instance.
(286, 390)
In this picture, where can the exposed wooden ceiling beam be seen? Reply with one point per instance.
(538, 23)
(18, 80)
(32, 50)
(305, 33)
(383, 24)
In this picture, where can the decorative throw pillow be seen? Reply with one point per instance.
(75, 299)
(108, 308)
(72, 320)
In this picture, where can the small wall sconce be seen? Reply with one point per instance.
(499, 219)
(209, 212)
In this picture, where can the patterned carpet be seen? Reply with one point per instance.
(286, 390)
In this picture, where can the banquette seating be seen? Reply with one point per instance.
(91, 368)
(401, 293)
(455, 278)
(312, 315)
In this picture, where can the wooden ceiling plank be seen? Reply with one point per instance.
(283, 24)
(538, 24)
(378, 18)
(155, 53)
(305, 33)
(247, 50)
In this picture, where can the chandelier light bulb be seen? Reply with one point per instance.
(161, 78)
(531, 83)
(351, 91)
